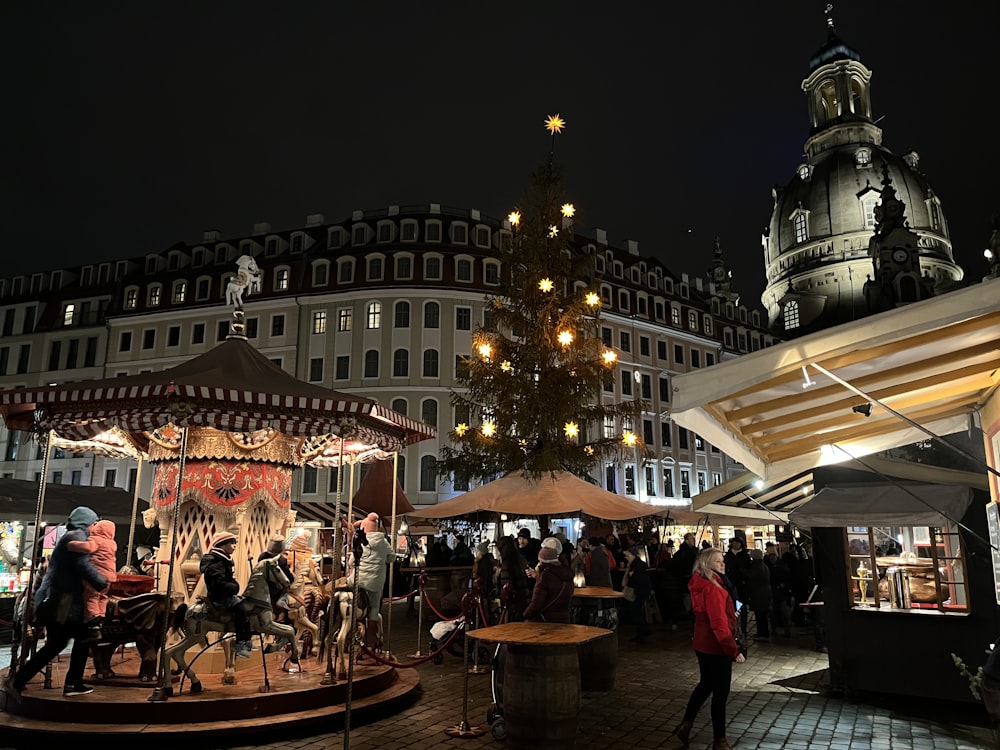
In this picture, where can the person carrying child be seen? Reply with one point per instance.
(103, 551)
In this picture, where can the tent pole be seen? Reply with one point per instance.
(330, 678)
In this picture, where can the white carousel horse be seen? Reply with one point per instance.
(199, 620)
(246, 281)
(305, 573)
(343, 601)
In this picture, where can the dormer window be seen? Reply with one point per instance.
(359, 235)
(154, 295)
(459, 233)
(805, 172)
(408, 230)
(297, 243)
(180, 291)
(335, 239)
(131, 298)
(800, 226)
(433, 231)
(271, 247)
(385, 231)
(863, 157)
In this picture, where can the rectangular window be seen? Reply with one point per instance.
(665, 430)
(110, 476)
(432, 269)
(309, 480)
(174, 336)
(668, 482)
(630, 479)
(606, 336)
(650, 472)
(198, 333)
(626, 382)
(678, 354)
(321, 274)
(343, 367)
(316, 369)
(23, 358)
(319, 321)
(661, 349)
(644, 346)
(90, 352)
(374, 321)
(664, 390)
(879, 578)
(647, 387)
(647, 431)
(463, 318)
(685, 483)
(278, 325)
(682, 434)
(610, 478)
(404, 267)
(125, 341)
(344, 319)
(695, 358)
(346, 272)
(149, 338)
(54, 352)
(626, 341)
(251, 327)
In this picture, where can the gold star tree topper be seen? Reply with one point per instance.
(555, 124)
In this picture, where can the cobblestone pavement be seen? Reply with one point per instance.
(779, 700)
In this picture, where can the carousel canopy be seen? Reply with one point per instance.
(557, 494)
(233, 387)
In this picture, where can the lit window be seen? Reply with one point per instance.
(319, 321)
(374, 319)
(180, 291)
(791, 315)
(799, 223)
(281, 279)
(68, 312)
(344, 319)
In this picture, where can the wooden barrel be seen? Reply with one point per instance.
(541, 697)
(598, 662)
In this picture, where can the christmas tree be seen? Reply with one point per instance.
(529, 395)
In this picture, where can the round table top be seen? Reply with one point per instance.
(597, 592)
(539, 633)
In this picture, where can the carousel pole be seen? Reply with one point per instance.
(387, 645)
(330, 678)
(354, 618)
(163, 672)
(135, 509)
(35, 555)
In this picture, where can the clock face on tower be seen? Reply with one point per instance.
(900, 255)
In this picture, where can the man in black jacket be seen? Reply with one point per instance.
(223, 588)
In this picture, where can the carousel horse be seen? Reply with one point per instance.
(305, 573)
(200, 619)
(246, 281)
(346, 623)
(315, 600)
(138, 619)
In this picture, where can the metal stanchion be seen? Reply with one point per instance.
(463, 729)
(421, 580)
(476, 667)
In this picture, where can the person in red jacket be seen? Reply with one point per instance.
(713, 601)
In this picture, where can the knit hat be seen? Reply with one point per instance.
(301, 540)
(275, 546)
(547, 555)
(369, 523)
(221, 538)
(757, 554)
(81, 517)
(483, 548)
(524, 532)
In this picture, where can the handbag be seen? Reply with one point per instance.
(629, 593)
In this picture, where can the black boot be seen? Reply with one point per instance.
(683, 733)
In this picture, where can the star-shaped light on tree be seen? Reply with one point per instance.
(629, 438)
(461, 429)
(554, 124)
(593, 299)
(568, 210)
(565, 338)
(553, 231)
(489, 428)
(506, 366)
(609, 357)
(485, 350)
(572, 429)
(546, 285)
(514, 217)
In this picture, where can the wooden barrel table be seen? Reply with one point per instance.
(541, 686)
(598, 658)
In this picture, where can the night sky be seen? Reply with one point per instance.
(132, 126)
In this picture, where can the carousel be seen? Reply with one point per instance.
(224, 433)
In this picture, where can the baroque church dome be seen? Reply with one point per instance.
(823, 248)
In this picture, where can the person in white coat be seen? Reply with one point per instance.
(372, 567)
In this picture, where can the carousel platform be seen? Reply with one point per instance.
(121, 709)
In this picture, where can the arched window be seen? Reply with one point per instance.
(430, 363)
(402, 314)
(429, 411)
(432, 315)
(371, 363)
(791, 315)
(799, 224)
(428, 474)
(400, 405)
(401, 363)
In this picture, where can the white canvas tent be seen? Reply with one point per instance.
(931, 366)
(884, 504)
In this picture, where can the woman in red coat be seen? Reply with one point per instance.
(714, 606)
